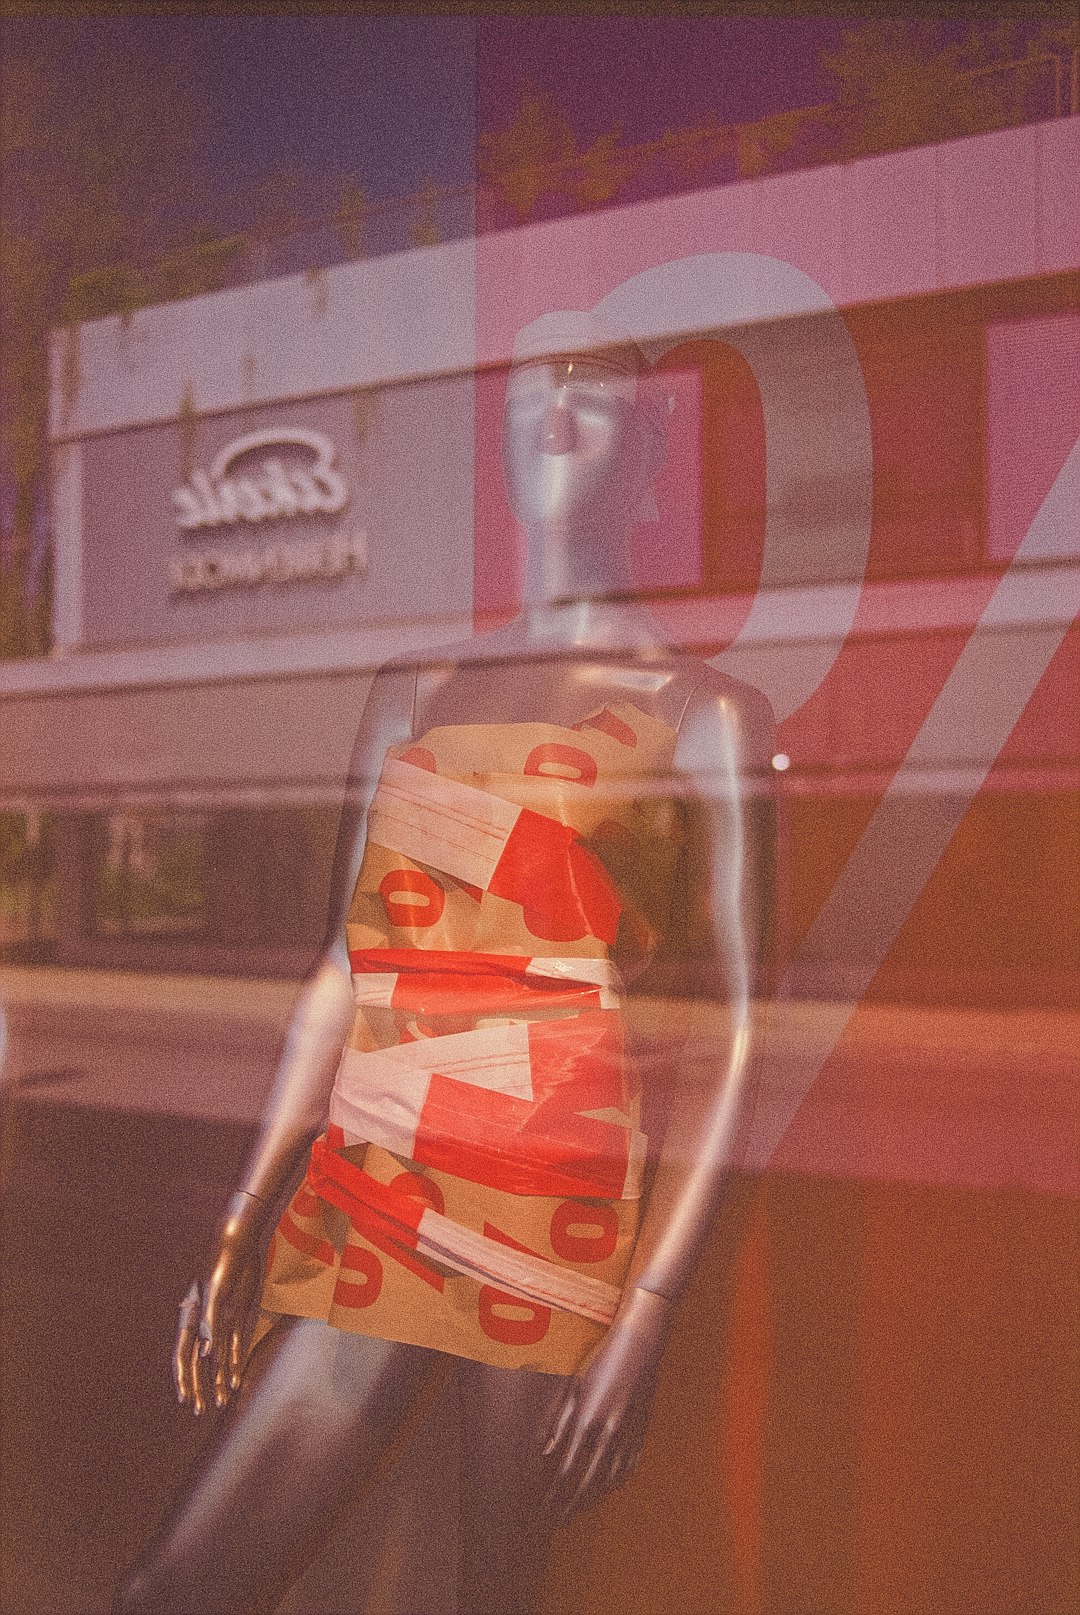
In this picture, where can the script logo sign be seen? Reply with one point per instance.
(272, 491)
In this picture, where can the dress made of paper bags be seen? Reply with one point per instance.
(477, 1188)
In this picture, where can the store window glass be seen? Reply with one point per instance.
(27, 886)
(149, 875)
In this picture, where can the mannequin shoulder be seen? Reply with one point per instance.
(384, 721)
(724, 711)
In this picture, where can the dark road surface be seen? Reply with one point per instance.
(868, 1405)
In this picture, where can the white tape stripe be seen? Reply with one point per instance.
(600, 972)
(388, 1119)
(373, 989)
(475, 808)
(440, 822)
(378, 1095)
(533, 1278)
(493, 1057)
(635, 1165)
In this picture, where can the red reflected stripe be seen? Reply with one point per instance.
(441, 959)
(562, 888)
(388, 1217)
(459, 983)
(578, 1064)
(518, 1146)
(751, 1364)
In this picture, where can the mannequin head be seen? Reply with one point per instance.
(583, 438)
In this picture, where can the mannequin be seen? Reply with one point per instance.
(314, 1411)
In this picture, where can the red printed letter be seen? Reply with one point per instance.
(411, 898)
(583, 1233)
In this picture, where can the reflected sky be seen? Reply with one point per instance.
(398, 100)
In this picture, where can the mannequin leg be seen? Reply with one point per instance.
(505, 1527)
(318, 1412)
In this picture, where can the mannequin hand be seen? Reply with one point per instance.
(595, 1435)
(216, 1312)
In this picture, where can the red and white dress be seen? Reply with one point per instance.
(477, 1188)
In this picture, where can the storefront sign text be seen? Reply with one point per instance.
(336, 555)
(272, 492)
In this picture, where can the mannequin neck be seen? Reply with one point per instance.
(579, 589)
(584, 562)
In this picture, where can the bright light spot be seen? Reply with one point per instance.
(781, 761)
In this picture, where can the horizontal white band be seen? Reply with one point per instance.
(635, 1165)
(519, 1273)
(599, 972)
(373, 989)
(378, 1095)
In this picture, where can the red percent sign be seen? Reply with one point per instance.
(748, 299)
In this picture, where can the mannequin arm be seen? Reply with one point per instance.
(215, 1313)
(598, 1427)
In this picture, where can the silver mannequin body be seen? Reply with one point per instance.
(312, 1416)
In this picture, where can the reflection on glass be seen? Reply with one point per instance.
(27, 885)
(149, 875)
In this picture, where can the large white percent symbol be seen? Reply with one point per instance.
(817, 425)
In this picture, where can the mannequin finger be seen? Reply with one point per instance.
(195, 1396)
(578, 1456)
(209, 1329)
(226, 1360)
(199, 1377)
(205, 1358)
(181, 1364)
(586, 1490)
(187, 1320)
(219, 1362)
(235, 1360)
(594, 1485)
(606, 1477)
(556, 1431)
(626, 1468)
(616, 1474)
(622, 1468)
(565, 1459)
(220, 1369)
(572, 1450)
